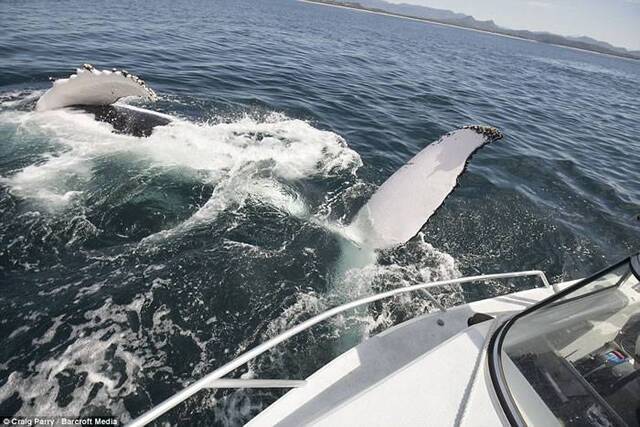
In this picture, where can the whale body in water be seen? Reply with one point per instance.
(393, 215)
(97, 91)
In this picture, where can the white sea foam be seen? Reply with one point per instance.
(18, 331)
(248, 159)
(50, 333)
(245, 159)
(86, 355)
(107, 352)
(19, 98)
(424, 263)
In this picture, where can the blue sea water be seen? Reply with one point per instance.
(130, 267)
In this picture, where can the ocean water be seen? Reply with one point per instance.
(129, 267)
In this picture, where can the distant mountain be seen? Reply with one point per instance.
(605, 45)
(412, 10)
(443, 16)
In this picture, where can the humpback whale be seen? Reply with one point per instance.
(97, 92)
(393, 215)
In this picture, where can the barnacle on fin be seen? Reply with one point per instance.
(491, 133)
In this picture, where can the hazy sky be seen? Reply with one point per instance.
(613, 21)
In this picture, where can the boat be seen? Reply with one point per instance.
(562, 354)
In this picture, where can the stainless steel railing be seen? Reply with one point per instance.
(213, 380)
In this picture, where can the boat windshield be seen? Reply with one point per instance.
(574, 359)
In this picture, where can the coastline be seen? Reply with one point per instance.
(461, 27)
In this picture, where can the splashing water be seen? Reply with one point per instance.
(199, 242)
(242, 171)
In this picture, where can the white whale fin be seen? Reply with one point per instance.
(90, 86)
(402, 205)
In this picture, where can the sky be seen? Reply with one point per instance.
(613, 21)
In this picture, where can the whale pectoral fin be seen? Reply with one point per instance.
(404, 203)
(89, 86)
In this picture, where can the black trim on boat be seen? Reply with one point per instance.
(478, 318)
(635, 266)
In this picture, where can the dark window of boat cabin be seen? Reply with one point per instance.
(573, 361)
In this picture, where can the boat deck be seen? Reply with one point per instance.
(393, 378)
